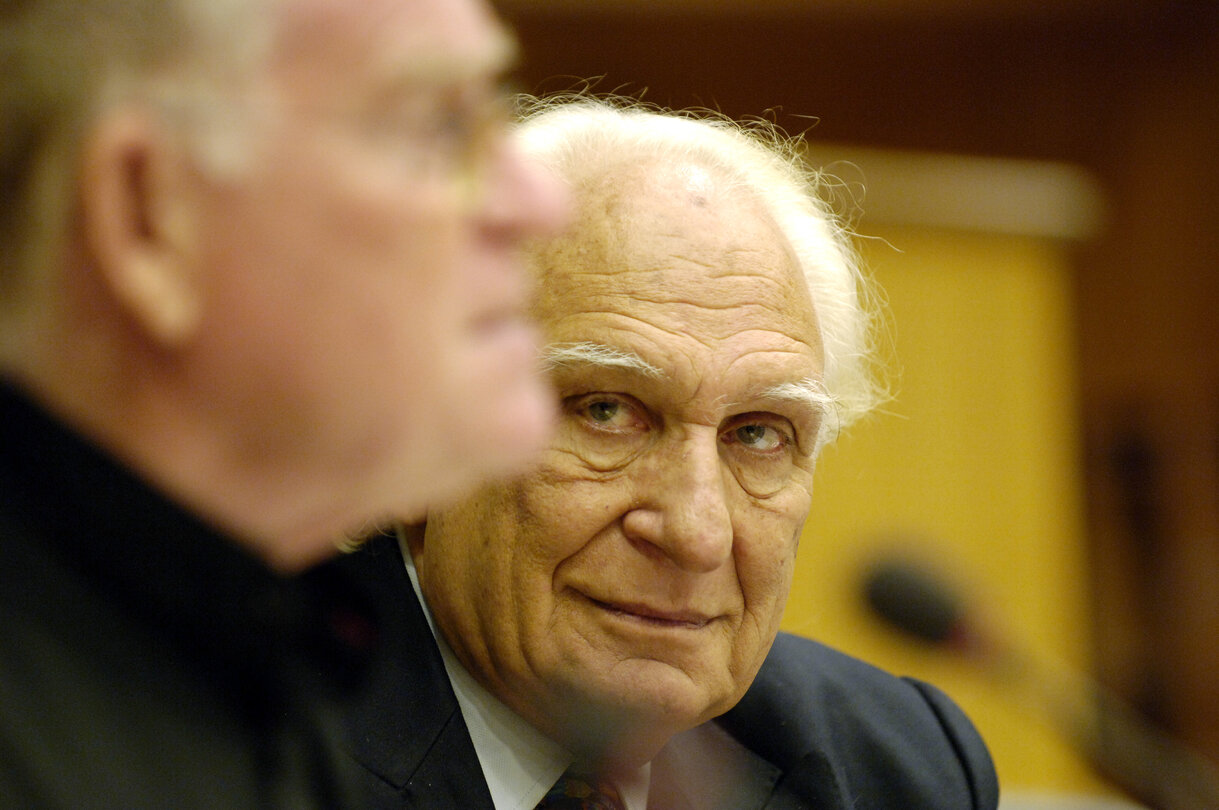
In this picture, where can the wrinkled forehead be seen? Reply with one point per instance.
(661, 242)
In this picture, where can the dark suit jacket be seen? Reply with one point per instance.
(145, 660)
(817, 729)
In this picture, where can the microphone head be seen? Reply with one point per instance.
(915, 602)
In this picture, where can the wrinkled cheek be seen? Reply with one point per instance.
(766, 597)
(765, 572)
(743, 660)
(751, 650)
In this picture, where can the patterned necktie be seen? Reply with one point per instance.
(575, 791)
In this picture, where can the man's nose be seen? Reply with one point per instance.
(683, 510)
(522, 199)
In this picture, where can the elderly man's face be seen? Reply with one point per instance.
(364, 287)
(631, 585)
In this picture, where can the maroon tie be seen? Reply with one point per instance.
(576, 791)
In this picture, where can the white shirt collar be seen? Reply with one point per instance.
(519, 763)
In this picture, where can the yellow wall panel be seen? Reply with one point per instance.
(974, 468)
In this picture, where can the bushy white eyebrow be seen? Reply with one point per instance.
(812, 394)
(559, 355)
(809, 392)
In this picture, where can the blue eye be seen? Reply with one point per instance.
(603, 410)
(761, 450)
(759, 437)
(608, 414)
(604, 431)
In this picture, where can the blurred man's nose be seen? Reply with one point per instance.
(684, 512)
(522, 198)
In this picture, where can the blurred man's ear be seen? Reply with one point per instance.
(139, 221)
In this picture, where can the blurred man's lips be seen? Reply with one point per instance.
(503, 321)
(507, 332)
(497, 320)
(660, 617)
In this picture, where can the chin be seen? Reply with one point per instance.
(626, 728)
(658, 692)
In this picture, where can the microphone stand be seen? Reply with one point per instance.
(1146, 763)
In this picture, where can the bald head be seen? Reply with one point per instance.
(638, 219)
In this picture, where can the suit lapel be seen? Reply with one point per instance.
(810, 785)
(408, 732)
(449, 776)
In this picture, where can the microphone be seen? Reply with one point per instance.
(915, 602)
(1141, 760)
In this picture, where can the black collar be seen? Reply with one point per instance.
(177, 574)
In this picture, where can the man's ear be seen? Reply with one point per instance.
(139, 222)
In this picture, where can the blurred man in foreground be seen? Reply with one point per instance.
(705, 338)
(258, 287)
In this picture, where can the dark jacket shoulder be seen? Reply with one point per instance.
(846, 733)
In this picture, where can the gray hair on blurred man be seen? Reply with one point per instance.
(259, 286)
(606, 623)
